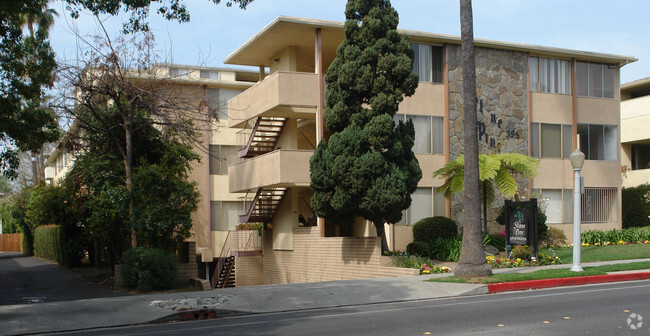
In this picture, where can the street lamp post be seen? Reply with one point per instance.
(577, 159)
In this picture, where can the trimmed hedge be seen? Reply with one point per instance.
(48, 243)
(429, 229)
(148, 269)
(418, 248)
(635, 206)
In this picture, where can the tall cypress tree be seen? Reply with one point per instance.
(367, 168)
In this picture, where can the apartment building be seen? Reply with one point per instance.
(635, 135)
(539, 101)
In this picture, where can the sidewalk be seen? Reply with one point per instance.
(128, 310)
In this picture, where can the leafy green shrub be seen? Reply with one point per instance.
(27, 242)
(636, 206)
(429, 229)
(541, 219)
(419, 248)
(521, 251)
(447, 249)
(552, 237)
(148, 269)
(600, 237)
(495, 240)
(48, 243)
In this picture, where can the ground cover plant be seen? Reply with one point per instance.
(549, 274)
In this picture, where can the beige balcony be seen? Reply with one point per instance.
(282, 94)
(280, 168)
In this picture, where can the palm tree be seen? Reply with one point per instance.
(471, 262)
(494, 170)
(43, 19)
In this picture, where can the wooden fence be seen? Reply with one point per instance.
(10, 242)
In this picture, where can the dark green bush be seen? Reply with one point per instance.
(446, 249)
(27, 243)
(496, 240)
(148, 269)
(636, 206)
(541, 220)
(418, 248)
(48, 243)
(429, 229)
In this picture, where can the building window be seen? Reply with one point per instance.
(596, 79)
(425, 202)
(224, 216)
(428, 62)
(599, 205)
(558, 205)
(550, 140)
(209, 74)
(221, 156)
(549, 75)
(178, 72)
(598, 142)
(429, 132)
(640, 156)
(217, 100)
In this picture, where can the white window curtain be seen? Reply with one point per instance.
(553, 197)
(422, 126)
(230, 215)
(533, 64)
(422, 62)
(438, 135)
(421, 205)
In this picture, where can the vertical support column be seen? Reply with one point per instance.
(320, 128)
(530, 120)
(574, 104)
(445, 101)
(208, 186)
(262, 73)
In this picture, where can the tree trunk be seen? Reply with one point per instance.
(382, 234)
(128, 168)
(472, 262)
(485, 231)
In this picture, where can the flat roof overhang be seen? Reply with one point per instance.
(286, 31)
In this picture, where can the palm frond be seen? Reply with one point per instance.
(506, 183)
(487, 166)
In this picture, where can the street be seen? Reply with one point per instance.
(602, 309)
(32, 280)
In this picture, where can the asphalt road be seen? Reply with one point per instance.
(32, 280)
(582, 310)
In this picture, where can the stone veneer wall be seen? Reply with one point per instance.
(502, 90)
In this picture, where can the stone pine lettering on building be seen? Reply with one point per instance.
(497, 123)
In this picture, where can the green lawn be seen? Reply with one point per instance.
(548, 274)
(602, 253)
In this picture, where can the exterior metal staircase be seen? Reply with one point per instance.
(264, 206)
(263, 138)
(224, 275)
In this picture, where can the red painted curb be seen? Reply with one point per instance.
(548, 283)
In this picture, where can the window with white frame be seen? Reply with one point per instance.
(221, 156)
(640, 156)
(425, 202)
(598, 142)
(428, 62)
(209, 74)
(596, 79)
(549, 75)
(224, 215)
(429, 132)
(557, 204)
(550, 140)
(217, 100)
(178, 72)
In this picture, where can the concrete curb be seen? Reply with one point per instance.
(572, 281)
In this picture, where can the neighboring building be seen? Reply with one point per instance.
(538, 101)
(635, 134)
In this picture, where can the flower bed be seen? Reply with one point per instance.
(496, 262)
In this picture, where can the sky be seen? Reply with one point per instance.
(215, 31)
